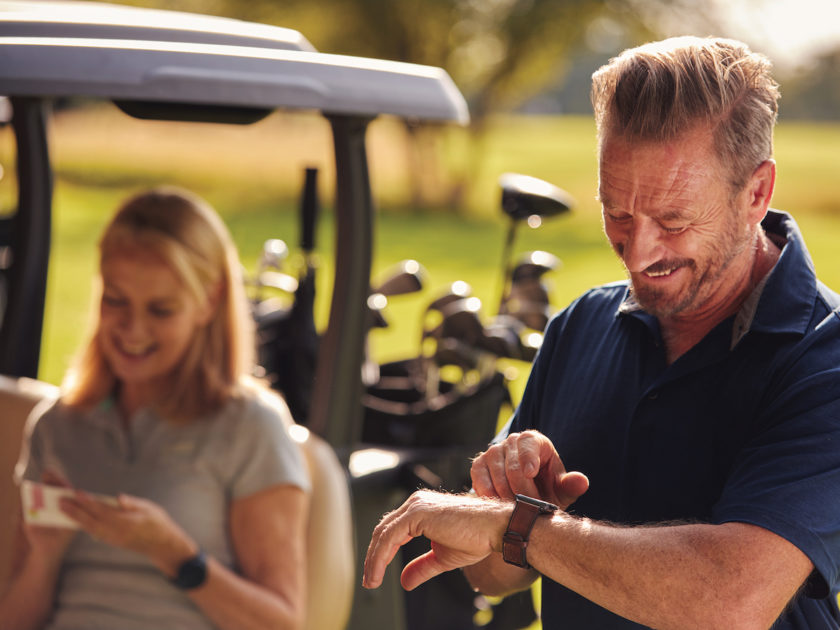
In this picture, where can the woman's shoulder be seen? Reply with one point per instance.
(260, 402)
(256, 410)
(255, 444)
(52, 412)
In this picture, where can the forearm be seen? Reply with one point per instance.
(235, 603)
(229, 600)
(28, 600)
(682, 576)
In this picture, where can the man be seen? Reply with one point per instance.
(700, 399)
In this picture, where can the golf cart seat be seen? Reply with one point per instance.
(17, 398)
(330, 569)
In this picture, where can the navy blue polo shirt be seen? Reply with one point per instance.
(745, 426)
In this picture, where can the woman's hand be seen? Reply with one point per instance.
(49, 543)
(134, 524)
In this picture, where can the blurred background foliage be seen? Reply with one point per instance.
(532, 56)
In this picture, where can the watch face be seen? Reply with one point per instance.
(192, 573)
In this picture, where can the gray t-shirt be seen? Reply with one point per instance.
(193, 471)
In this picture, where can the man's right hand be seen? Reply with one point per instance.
(526, 463)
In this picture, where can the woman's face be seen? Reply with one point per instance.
(147, 320)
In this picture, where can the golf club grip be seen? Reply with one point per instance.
(309, 210)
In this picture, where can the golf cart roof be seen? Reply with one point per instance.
(218, 75)
(50, 18)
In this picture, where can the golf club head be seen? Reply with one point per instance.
(406, 277)
(524, 196)
(274, 252)
(532, 291)
(376, 303)
(531, 343)
(451, 351)
(533, 265)
(458, 290)
(533, 314)
(278, 280)
(459, 320)
(501, 337)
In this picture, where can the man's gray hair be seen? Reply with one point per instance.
(660, 90)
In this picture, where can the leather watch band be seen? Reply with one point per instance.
(515, 541)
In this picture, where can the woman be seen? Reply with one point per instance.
(207, 529)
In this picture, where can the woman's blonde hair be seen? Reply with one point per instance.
(186, 234)
(660, 90)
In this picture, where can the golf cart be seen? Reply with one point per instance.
(158, 65)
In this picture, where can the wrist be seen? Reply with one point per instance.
(192, 573)
(503, 515)
(171, 557)
(525, 513)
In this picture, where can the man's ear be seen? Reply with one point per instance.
(759, 191)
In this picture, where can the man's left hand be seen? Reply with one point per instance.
(463, 530)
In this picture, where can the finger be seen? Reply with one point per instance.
(539, 451)
(129, 503)
(76, 511)
(571, 486)
(52, 478)
(420, 570)
(386, 540)
(521, 467)
(481, 480)
(488, 473)
(497, 467)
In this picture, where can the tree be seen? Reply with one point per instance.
(500, 53)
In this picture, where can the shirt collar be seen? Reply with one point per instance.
(783, 301)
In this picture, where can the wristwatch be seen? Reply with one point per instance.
(192, 573)
(515, 540)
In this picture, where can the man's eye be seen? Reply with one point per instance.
(111, 300)
(161, 312)
(674, 229)
(618, 218)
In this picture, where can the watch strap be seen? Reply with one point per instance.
(515, 540)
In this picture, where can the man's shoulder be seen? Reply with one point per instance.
(605, 298)
(595, 309)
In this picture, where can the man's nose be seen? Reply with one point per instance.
(643, 245)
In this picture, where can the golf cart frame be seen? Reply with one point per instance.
(171, 66)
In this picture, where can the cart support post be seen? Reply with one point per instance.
(20, 333)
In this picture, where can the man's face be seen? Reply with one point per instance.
(670, 215)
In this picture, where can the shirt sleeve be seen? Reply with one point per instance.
(264, 453)
(787, 476)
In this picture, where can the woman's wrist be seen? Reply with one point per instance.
(170, 557)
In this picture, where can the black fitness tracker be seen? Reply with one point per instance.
(192, 573)
(515, 540)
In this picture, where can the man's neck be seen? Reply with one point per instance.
(680, 334)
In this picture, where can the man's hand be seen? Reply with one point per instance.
(526, 463)
(463, 530)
